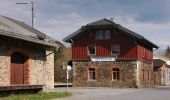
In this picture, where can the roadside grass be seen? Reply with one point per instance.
(38, 96)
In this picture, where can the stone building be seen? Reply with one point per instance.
(26, 56)
(161, 72)
(106, 54)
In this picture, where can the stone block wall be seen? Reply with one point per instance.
(104, 74)
(145, 77)
(40, 62)
(158, 77)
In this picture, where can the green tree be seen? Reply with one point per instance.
(167, 52)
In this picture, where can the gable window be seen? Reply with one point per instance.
(91, 50)
(92, 74)
(116, 74)
(103, 35)
(100, 35)
(107, 34)
(115, 49)
(143, 52)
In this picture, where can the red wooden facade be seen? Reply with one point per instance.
(129, 48)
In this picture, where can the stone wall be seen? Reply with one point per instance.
(158, 76)
(104, 74)
(40, 63)
(145, 76)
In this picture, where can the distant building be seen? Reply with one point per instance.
(107, 54)
(26, 56)
(161, 72)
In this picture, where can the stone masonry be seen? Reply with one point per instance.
(40, 62)
(128, 74)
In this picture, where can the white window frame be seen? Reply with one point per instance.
(116, 49)
(93, 76)
(88, 52)
(117, 74)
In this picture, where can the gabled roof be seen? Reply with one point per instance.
(158, 63)
(106, 23)
(17, 29)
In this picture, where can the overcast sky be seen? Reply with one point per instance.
(59, 18)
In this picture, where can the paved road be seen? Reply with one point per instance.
(160, 93)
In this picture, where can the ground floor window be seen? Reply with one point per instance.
(115, 74)
(92, 74)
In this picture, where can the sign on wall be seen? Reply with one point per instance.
(97, 58)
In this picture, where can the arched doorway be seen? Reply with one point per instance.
(18, 66)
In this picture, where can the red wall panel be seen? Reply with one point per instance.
(129, 49)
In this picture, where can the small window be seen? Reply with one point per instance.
(100, 35)
(148, 75)
(115, 49)
(116, 74)
(91, 50)
(92, 74)
(143, 75)
(149, 54)
(107, 34)
(143, 52)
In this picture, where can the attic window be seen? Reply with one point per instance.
(103, 34)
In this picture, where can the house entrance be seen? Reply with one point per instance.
(18, 62)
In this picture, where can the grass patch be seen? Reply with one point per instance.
(38, 96)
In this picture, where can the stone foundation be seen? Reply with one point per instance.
(104, 74)
(130, 75)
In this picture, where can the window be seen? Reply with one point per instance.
(143, 75)
(115, 49)
(91, 50)
(149, 54)
(100, 35)
(143, 52)
(92, 74)
(103, 35)
(116, 74)
(107, 34)
(148, 75)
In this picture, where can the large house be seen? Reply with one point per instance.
(107, 54)
(26, 56)
(161, 72)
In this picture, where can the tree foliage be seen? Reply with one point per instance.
(167, 52)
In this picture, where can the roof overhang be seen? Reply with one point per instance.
(28, 38)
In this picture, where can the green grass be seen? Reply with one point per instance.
(38, 96)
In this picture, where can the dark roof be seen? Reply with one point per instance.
(33, 35)
(158, 62)
(106, 22)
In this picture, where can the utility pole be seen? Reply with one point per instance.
(32, 11)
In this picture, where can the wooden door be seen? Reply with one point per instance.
(17, 68)
(17, 73)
